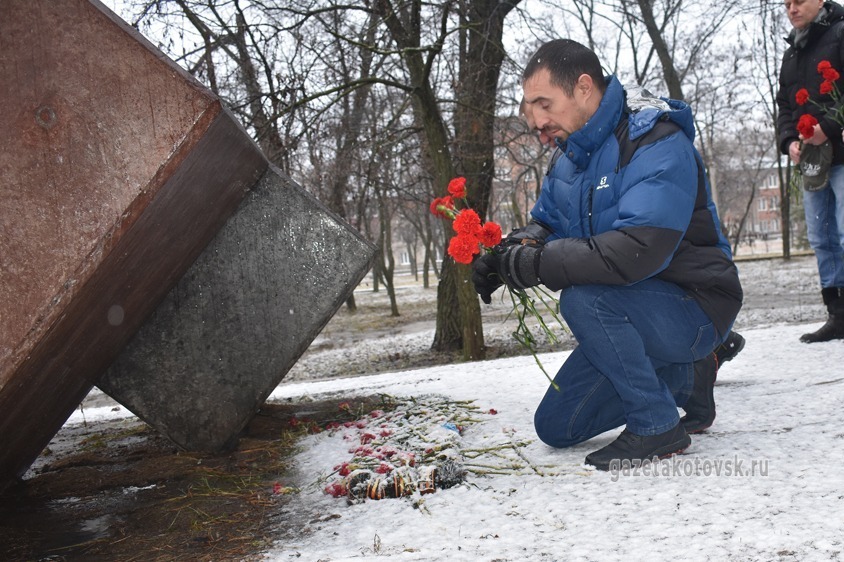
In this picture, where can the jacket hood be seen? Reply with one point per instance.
(646, 109)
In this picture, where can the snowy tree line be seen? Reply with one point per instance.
(374, 105)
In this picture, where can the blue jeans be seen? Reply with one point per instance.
(825, 228)
(633, 362)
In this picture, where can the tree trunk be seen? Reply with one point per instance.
(425, 267)
(785, 207)
(448, 333)
(387, 264)
(669, 71)
(411, 258)
(350, 128)
(406, 32)
(474, 127)
(266, 131)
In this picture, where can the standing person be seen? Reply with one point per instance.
(818, 35)
(626, 228)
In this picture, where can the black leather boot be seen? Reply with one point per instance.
(636, 448)
(730, 348)
(833, 298)
(700, 408)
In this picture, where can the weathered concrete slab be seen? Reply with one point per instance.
(238, 320)
(116, 170)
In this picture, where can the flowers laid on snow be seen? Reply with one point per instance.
(394, 456)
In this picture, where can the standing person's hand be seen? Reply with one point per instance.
(794, 151)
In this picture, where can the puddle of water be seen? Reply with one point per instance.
(58, 532)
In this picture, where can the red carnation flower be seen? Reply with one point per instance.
(826, 87)
(490, 234)
(467, 222)
(435, 208)
(830, 74)
(440, 205)
(337, 489)
(463, 247)
(457, 187)
(802, 96)
(823, 65)
(806, 126)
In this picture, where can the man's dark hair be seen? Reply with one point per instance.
(566, 60)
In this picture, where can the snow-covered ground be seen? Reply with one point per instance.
(764, 483)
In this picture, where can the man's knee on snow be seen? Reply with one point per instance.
(553, 430)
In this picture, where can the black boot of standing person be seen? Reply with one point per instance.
(833, 298)
(700, 408)
(730, 348)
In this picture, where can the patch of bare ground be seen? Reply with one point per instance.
(120, 491)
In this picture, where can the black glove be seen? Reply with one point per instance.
(518, 266)
(533, 234)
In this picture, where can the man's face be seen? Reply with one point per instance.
(531, 122)
(551, 111)
(802, 12)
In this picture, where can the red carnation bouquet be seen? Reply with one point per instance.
(472, 236)
(829, 86)
(815, 159)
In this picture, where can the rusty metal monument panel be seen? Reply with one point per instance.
(116, 170)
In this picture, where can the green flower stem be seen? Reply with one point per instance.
(523, 306)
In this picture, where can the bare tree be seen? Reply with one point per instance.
(768, 49)
(480, 55)
(302, 74)
(519, 176)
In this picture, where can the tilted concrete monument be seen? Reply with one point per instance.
(117, 169)
(238, 320)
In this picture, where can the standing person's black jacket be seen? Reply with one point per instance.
(823, 39)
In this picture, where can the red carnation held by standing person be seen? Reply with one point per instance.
(457, 187)
(806, 125)
(828, 87)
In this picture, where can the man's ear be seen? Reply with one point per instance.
(584, 86)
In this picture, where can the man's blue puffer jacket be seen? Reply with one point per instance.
(626, 199)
